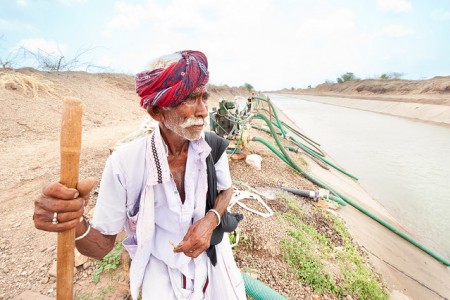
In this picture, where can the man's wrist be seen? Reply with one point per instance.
(216, 214)
(81, 227)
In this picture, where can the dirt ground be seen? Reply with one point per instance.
(29, 143)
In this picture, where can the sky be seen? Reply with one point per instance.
(271, 44)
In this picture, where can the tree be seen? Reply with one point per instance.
(248, 86)
(349, 76)
(392, 75)
(58, 62)
(11, 59)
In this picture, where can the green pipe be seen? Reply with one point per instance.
(337, 199)
(274, 111)
(347, 200)
(258, 290)
(318, 154)
(293, 149)
(299, 134)
(231, 152)
(264, 129)
(272, 148)
(290, 148)
(316, 148)
(288, 159)
(306, 149)
(296, 142)
(394, 230)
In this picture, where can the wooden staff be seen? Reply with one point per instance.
(70, 160)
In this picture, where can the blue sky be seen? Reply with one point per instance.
(271, 44)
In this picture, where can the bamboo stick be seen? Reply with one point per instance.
(70, 146)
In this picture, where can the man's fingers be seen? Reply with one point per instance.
(56, 205)
(48, 226)
(85, 186)
(57, 190)
(182, 247)
(69, 216)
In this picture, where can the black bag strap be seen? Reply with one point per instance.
(218, 146)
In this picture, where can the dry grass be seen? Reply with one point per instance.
(27, 84)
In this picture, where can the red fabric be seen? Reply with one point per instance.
(206, 285)
(170, 86)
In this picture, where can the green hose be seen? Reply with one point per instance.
(346, 199)
(303, 147)
(316, 148)
(337, 199)
(258, 290)
(277, 153)
(394, 230)
(306, 149)
(313, 153)
(299, 134)
(264, 129)
(272, 148)
(274, 112)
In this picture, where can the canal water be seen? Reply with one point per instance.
(403, 164)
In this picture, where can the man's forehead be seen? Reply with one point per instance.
(198, 91)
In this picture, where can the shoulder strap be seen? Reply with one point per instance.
(218, 144)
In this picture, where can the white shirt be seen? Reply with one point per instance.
(128, 174)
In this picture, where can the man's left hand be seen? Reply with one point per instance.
(198, 237)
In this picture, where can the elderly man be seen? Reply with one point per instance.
(162, 189)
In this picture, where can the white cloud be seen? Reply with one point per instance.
(22, 3)
(13, 25)
(441, 14)
(68, 2)
(399, 6)
(51, 47)
(396, 31)
(244, 42)
(6, 25)
(128, 17)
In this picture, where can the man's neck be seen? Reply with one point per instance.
(176, 144)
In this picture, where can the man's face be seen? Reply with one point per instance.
(188, 118)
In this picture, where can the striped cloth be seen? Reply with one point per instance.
(168, 86)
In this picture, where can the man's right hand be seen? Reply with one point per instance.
(67, 203)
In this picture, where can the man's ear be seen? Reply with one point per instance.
(156, 113)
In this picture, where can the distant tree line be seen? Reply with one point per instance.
(350, 76)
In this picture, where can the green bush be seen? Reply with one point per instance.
(349, 76)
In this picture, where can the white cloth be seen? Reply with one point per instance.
(224, 280)
(134, 175)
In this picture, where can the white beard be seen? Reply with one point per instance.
(183, 128)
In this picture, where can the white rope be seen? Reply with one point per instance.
(239, 195)
(264, 194)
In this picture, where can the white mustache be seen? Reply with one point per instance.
(193, 121)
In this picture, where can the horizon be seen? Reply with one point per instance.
(320, 40)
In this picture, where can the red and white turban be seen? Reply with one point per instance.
(169, 85)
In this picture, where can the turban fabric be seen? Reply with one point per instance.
(170, 85)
